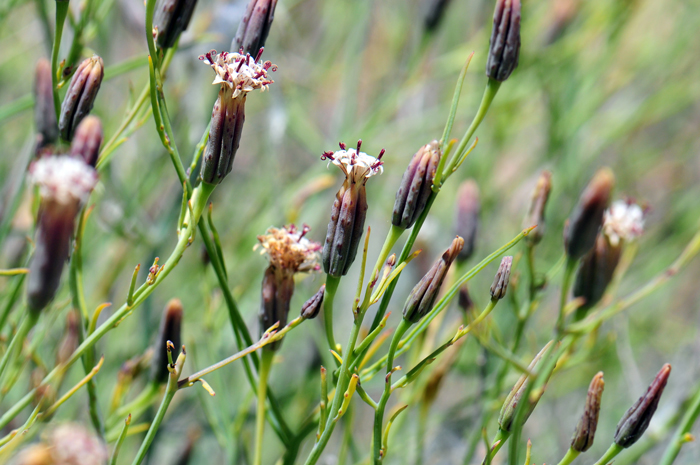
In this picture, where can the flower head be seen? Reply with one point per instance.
(623, 221)
(63, 179)
(288, 250)
(239, 73)
(356, 165)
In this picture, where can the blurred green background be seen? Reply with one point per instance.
(600, 83)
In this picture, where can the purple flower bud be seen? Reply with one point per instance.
(464, 301)
(500, 282)
(416, 185)
(169, 330)
(277, 290)
(422, 298)
(587, 218)
(636, 420)
(535, 213)
(312, 306)
(80, 96)
(504, 46)
(255, 26)
(171, 18)
(585, 430)
(64, 185)
(349, 208)
(44, 113)
(467, 216)
(87, 140)
(595, 272)
(434, 13)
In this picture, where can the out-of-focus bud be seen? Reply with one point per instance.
(288, 252)
(349, 208)
(587, 218)
(44, 112)
(434, 12)
(504, 46)
(500, 281)
(467, 216)
(595, 272)
(585, 430)
(171, 18)
(563, 13)
(64, 185)
(87, 140)
(464, 301)
(80, 95)
(66, 444)
(255, 26)
(70, 340)
(312, 306)
(422, 298)
(169, 330)
(505, 419)
(416, 185)
(535, 213)
(237, 75)
(636, 420)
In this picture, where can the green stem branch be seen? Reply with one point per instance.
(265, 366)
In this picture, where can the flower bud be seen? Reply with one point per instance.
(535, 213)
(464, 301)
(500, 282)
(44, 112)
(467, 216)
(64, 186)
(349, 208)
(237, 75)
(276, 295)
(87, 140)
(254, 26)
(504, 46)
(80, 95)
(312, 306)
(505, 419)
(416, 185)
(585, 430)
(422, 298)
(71, 338)
(171, 18)
(636, 420)
(169, 330)
(595, 272)
(434, 13)
(587, 218)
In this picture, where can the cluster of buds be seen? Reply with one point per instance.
(504, 46)
(288, 252)
(169, 331)
(349, 208)
(416, 185)
(255, 26)
(171, 18)
(585, 430)
(422, 298)
(80, 95)
(44, 113)
(64, 183)
(237, 75)
(535, 212)
(467, 217)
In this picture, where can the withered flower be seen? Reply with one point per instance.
(80, 96)
(422, 298)
(237, 75)
(585, 430)
(349, 208)
(535, 213)
(467, 217)
(587, 218)
(504, 46)
(288, 252)
(500, 281)
(255, 26)
(171, 18)
(170, 330)
(416, 185)
(64, 185)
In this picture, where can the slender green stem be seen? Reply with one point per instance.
(679, 437)
(12, 298)
(498, 441)
(569, 457)
(120, 441)
(160, 414)
(15, 347)
(332, 283)
(377, 452)
(566, 284)
(61, 12)
(265, 366)
(137, 406)
(610, 454)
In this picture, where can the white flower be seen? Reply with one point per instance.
(63, 179)
(623, 221)
(355, 164)
(288, 249)
(240, 73)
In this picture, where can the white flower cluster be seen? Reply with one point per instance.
(623, 221)
(355, 164)
(240, 73)
(63, 179)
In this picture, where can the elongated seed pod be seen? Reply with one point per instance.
(227, 120)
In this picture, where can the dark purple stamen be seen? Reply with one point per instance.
(257, 57)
